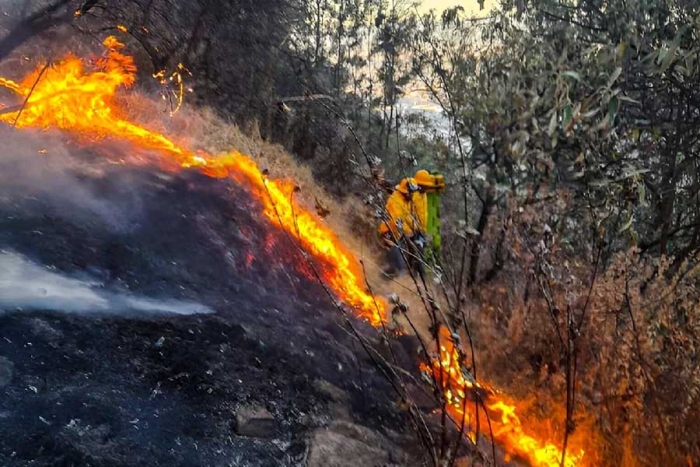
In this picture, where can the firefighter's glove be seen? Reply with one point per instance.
(419, 241)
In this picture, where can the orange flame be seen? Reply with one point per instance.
(506, 426)
(69, 97)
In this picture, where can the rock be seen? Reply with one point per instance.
(7, 369)
(340, 400)
(331, 391)
(344, 444)
(254, 421)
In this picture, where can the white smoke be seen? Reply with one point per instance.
(25, 285)
(39, 166)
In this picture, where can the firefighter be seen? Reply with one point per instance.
(425, 182)
(427, 203)
(401, 231)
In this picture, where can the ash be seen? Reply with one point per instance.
(157, 319)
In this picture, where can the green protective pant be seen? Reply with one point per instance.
(433, 229)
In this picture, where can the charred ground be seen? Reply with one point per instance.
(122, 389)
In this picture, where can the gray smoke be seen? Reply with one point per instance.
(25, 285)
(39, 166)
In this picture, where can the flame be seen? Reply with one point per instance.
(67, 96)
(507, 428)
(71, 98)
(174, 80)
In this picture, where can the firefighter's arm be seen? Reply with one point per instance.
(419, 209)
(408, 226)
(405, 221)
(399, 210)
(388, 224)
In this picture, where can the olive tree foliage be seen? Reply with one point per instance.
(599, 98)
(588, 109)
(652, 163)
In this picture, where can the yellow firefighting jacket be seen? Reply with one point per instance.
(420, 211)
(406, 216)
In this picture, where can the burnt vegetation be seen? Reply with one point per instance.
(568, 137)
(264, 381)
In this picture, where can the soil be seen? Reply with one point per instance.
(124, 389)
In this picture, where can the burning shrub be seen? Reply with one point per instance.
(611, 339)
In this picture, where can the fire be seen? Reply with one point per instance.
(68, 96)
(507, 428)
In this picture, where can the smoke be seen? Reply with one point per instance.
(27, 286)
(40, 167)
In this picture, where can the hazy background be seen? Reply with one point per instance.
(471, 7)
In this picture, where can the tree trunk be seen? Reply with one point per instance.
(481, 227)
(668, 198)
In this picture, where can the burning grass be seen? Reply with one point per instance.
(69, 97)
(72, 97)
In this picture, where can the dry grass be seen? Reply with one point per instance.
(203, 129)
(352, 220)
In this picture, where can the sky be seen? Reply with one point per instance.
(420, 102)
(471, 7)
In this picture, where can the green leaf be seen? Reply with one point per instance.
(613, 108)
(627, 225)
(572, 74)
(621, 48)
(631, 173)
(599, 183)
(670, 54)
(650, 57)
(567, 116)
(628, 99)
(613, 77)
(634, 238)
(689, 63)
(642, 192)
(660, 55)
(552, 123)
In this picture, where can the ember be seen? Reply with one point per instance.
(70, 97)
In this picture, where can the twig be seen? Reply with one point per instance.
(376, 358)
(643, 367)
(41, 73)
(311, 97)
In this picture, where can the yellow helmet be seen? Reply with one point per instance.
(430, 182)
(424, 179)
(407, 186)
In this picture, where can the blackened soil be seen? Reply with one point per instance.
(126, 390)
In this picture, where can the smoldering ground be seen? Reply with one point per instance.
(38, 167)
(26, 286)
(86, 389)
